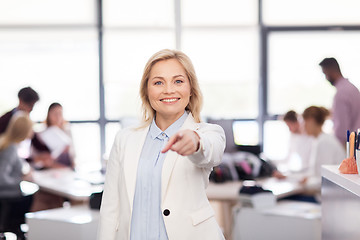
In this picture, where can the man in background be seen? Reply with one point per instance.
(27, 99)
(345, 109)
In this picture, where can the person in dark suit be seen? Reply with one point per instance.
(27, 99)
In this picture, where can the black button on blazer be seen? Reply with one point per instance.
(166, 212)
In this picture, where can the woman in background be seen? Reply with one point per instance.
(57, 138)
(55, 118)
(14, 205)
(19, 128)
(326, 148)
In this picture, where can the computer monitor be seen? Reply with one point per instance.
(248, 132)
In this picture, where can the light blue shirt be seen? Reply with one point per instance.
(147, 221)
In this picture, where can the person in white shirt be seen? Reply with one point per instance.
(55, 119)
(326, 148)
(298, 156)
(57, 140)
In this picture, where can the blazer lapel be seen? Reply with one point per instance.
(131, 160)
(171, 158)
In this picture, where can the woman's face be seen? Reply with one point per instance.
(56, 116)
(310, 126)
(168, 89)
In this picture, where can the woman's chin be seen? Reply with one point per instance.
(170, 113)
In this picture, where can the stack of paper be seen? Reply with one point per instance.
(56, 140)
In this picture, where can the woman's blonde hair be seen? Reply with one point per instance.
(196, 99)
(19, 128)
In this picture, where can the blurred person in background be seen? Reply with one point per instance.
(12, 172)
(57, 138)
(19, 128)
(345, 109)
(27, 99)
(326, 148)
(298, 156)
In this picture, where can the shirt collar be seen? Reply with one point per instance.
(156, 132)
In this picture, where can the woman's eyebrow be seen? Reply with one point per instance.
(179, 75)
(162, 78)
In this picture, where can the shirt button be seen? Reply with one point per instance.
(166, 212)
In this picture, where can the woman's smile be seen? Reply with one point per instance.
(170, 100)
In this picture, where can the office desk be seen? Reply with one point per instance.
(74, 223)
(66, 183)
(229, 191)
(340, 203)
(227, 194)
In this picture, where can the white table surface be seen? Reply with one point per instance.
(228, 195)
(73, 223)
(350, 182)
(66, 183)
(230, 190)
(80, 214)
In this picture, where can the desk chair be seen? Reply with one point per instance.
(12, 215)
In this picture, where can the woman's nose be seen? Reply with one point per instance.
(169, 88)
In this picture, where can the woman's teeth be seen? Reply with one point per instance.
(170, 100)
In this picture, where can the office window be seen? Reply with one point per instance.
(295, 78)
(138, 13)
(62, 66)
(219, 12)
(86, 138)
(308, 12)
(32, 12)
(226, 62)
(111, 130)
(54, 47)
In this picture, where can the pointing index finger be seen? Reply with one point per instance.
(171, 142)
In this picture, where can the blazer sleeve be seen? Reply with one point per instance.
(110, 204)
(212, 146)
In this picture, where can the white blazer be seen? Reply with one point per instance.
(186, 210)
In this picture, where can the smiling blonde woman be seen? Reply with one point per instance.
(157, 173)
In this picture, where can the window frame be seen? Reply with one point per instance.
(263, 30)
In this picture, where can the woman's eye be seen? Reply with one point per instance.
(179, 81)
(158, 83)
